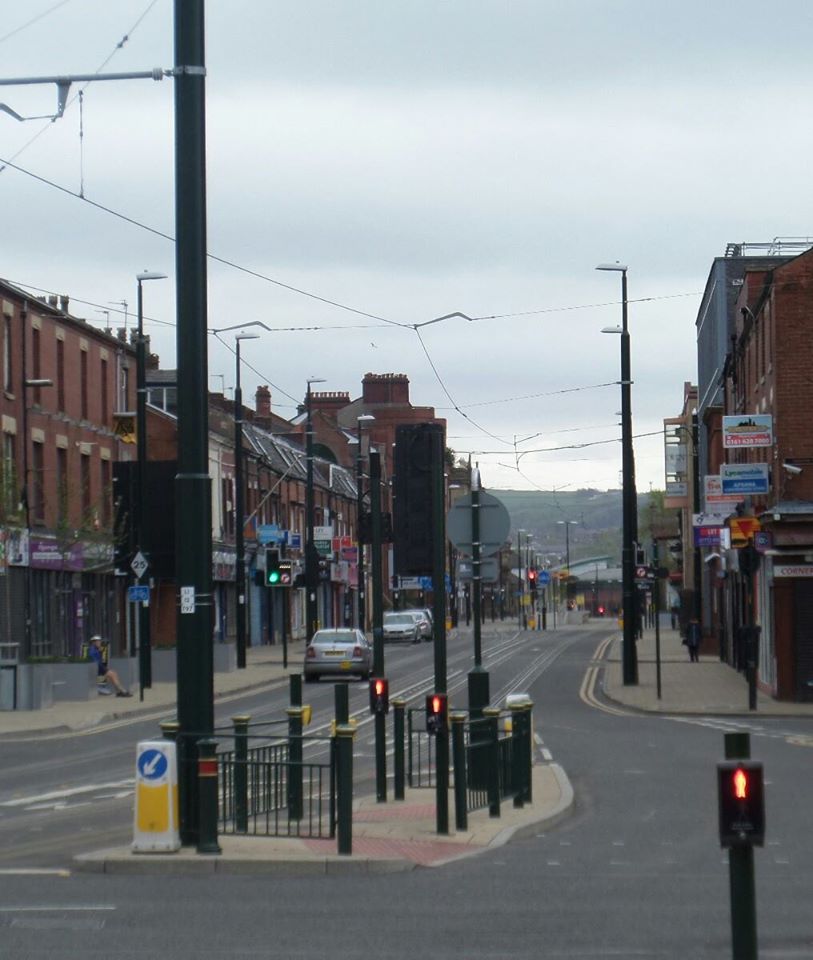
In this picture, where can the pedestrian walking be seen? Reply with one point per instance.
(673, 610)
(693, 640)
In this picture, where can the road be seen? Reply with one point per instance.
(635, 872)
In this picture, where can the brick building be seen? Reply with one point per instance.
(63, 381)
(768, 373)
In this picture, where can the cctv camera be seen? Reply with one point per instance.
(792, 468)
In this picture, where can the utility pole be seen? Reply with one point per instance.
(193, 485)
(311, 558)
(378, 623)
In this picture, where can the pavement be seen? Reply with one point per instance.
(401, 835)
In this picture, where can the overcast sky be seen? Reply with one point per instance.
(412, 158)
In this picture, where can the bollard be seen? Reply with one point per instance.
(492, 717)
(241, 772)
(170, 729)
(294, 762)
(207, 797)
(461, 818)
(409, 749)
(529, 749)
(518, 753)
(295, 689)
(398, 707)
(344, 787)
(341, 702)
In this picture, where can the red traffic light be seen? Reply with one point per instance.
(532, 575)
(437, 709)
(379, 695)
(741, 800)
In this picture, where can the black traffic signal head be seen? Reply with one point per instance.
(272, 574)
(379, 695)
(278, 572)
(741, 801)
(437, 713)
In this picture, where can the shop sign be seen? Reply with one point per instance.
(748, 430)
(793, 570)
(744, 478)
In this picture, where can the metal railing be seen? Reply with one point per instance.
(263, 788)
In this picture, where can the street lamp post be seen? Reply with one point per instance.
(362, 611)
(628, 496)
(567, 524)
(311, 560)
(239, 506)
(139, 501)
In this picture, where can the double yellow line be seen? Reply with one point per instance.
(587, 693)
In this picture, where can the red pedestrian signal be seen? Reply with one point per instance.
(437, 710)
(741, 800)
(379, 695)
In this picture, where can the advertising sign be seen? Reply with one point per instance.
(744, 478)
(714, 499)
(748, 430)
(707, 536)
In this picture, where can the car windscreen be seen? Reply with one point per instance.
(340, 637)
(398, 618)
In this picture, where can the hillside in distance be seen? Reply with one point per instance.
(597, 516)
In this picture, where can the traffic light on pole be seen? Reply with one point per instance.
(532, 579)
(379, 695)
(437, 711)
(741, 800)
(272, 569)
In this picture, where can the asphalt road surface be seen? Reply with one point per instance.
(635, 872)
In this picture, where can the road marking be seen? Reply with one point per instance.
(546, 754)
(68, 792)
(33, 872)
(49, 908)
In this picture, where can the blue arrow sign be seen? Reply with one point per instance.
(543, 578)
(152, 764)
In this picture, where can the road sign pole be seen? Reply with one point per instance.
(741, 873)
(478, 680)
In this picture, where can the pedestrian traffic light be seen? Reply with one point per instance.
(379, 695)
(272, 571)
(437, 711)
(286, 573)
(741, 801)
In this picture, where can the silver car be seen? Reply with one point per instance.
(402, 626)
(338, 652)
(424, 623)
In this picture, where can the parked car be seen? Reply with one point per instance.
(341, 651)
(424, 623)
(402, 626)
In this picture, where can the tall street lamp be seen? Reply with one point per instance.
(140, 499)
(239, 487)
(628, 495)
(239, 505)
(360, 526)
(567, 524)
(311, 559)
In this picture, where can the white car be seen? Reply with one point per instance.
(402, 626)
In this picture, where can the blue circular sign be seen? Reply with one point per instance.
(543, 578)
(152, 764)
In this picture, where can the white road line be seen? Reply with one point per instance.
(546, 754)
(70, 792)
(538, 740)
(33, 872)
(48, 908)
